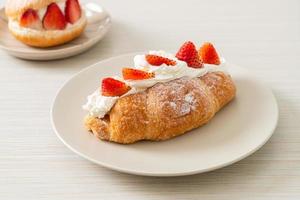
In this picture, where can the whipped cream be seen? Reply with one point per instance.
(98, 105)
(14, 25)
(41, 13)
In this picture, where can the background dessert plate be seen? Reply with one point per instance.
(237, 131)
(99, 22)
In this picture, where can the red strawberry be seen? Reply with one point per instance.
(208, 54)
(112, 87)
(159, 60)
(30, 19)
(195, 63)
(72, 11)
(135, 74)
(189, 54)
(54, 19)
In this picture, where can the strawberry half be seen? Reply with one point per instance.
(135, 74)
(208, 54)
(30, 19)
(54, 19)
(72, 11)
(189, 54)
(112, 87)
(159, 60)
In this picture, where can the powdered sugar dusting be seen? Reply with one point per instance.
(188, 104)
(173, 105)
(179, 98)
(189, 98)
(184, 109)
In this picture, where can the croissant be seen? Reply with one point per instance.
(165, 110)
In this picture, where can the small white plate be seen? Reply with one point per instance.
(237, 131)
(99, 22)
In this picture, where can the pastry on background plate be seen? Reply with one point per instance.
(45, 23)
(163, 96)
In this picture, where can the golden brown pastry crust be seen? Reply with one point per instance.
(165, 110)
(45, 38)
(15, 8)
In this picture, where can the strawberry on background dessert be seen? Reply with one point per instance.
(45, 23)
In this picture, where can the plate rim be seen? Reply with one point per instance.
(158, 174)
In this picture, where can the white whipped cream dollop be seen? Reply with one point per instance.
(98, 105)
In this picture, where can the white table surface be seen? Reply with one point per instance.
(263, 36)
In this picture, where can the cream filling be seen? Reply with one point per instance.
(15, 26)
(98, 105)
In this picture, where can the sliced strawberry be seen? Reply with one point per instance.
(195, 63)
(208, 54)
(72, 11)
(112, 87)
(189, 54)
(159, 60)
(135, 74)
(54, 19)
(30, 19)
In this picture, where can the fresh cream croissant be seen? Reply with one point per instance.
(162, 97)
(45, 23)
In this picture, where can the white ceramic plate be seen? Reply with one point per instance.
(235, 132)
(99, 22)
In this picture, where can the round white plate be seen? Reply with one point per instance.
(235, 132)
(99, 22)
